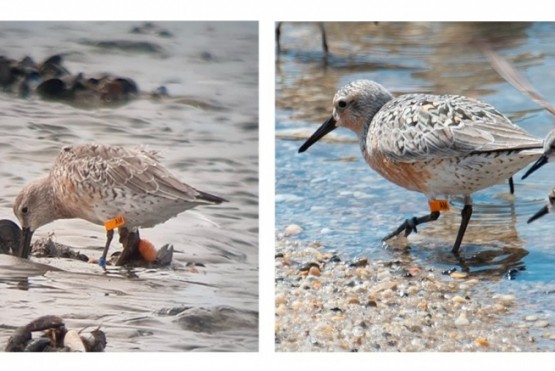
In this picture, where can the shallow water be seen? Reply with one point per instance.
(333, 195)
(206, 133)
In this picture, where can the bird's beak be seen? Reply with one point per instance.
(544, 210)
(25, 243)
(326, 127)
(541, 161)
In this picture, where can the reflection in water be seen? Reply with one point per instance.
(495, 251)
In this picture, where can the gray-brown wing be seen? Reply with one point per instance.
(417, 126)
(135, 169)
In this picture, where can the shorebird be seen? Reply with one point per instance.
(439, 145)
(124, 188)
(548, 154)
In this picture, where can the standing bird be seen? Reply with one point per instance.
(439, 145)
(124, 188)
(548, 154)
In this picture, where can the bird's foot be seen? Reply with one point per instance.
(408, 226)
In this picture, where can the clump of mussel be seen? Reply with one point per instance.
(55, 337)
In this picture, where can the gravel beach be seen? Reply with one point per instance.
(327, 303)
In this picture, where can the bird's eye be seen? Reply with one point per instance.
(342, 103)
(24, 209)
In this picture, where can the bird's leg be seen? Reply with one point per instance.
(511, 186)
(409, 225)
(466, 213)
(130, 241)
(278, 37)
(324, 38)
(109, 236)
(123, 235)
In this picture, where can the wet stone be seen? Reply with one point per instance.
(458, 275)
(359, 263)
(292, 230)
(541, 324)
(462, 320)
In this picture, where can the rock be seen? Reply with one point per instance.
(280, 299)
(363, 262)
(504, 299)
(458, 275)
(354, 300)
(292, 230)
(458, 299)
(314, 271)
(541, 324)
(462, 320)
(481, 341)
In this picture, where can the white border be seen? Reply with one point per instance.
(267, 13)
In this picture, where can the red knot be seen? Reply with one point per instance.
(548, 154)
(124, 188)
(439, 145)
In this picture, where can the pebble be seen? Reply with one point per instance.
(541, 324)
(358, 331)
(531, 318)
(472, 282)
(362, 308)
(458, 275)
(504, 299)
(354, 300)
(292, 230)
(314, 271)
(310, 251)
(363, 262)
(384, 286)
(325, 231)
(280, 299)
(362, 273)
(481, 341)
(462, 320)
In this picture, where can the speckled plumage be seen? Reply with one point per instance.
(439, 145)
(99, 182)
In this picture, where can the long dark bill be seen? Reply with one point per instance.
(544, 210)
(25, 243)
(541, 161)
(326, 127)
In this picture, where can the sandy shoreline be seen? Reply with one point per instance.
(326, 303)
